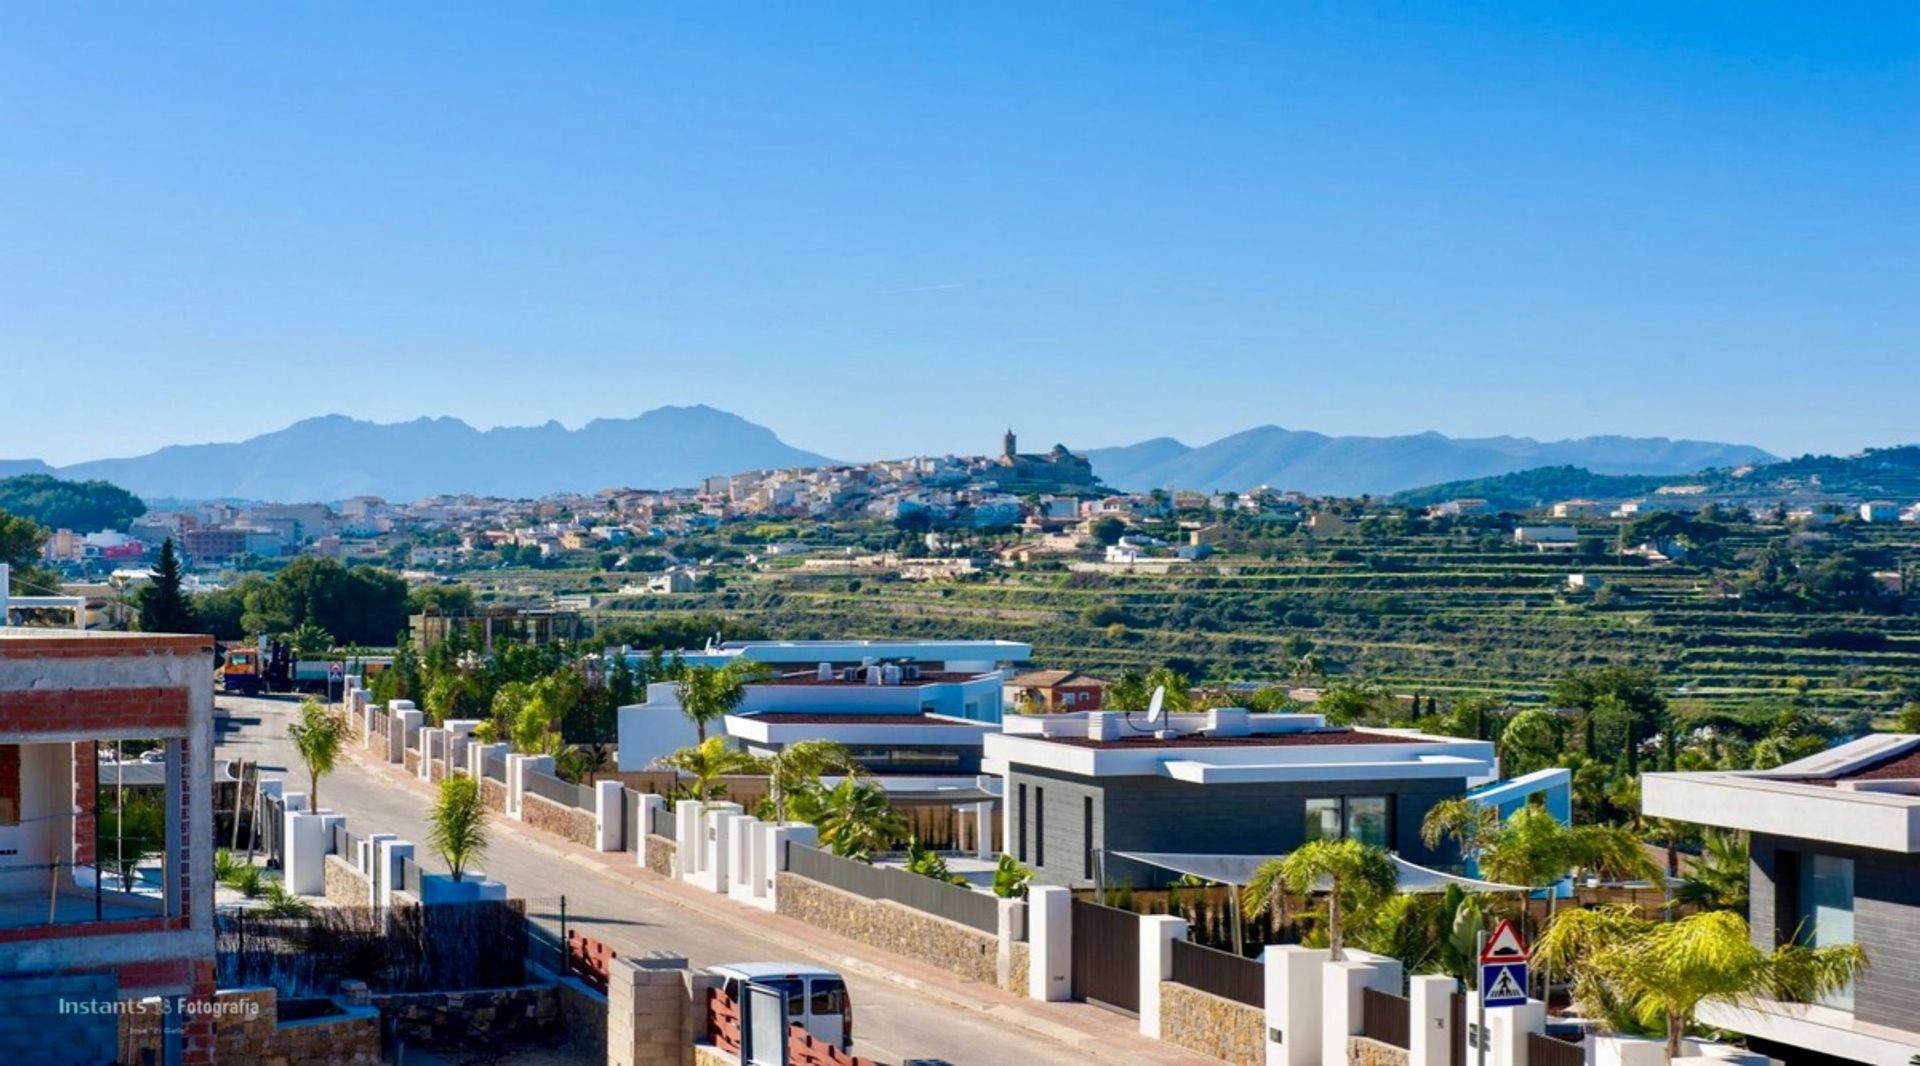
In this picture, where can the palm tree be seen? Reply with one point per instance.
(318, 735)
(1642, 974)
(1356, 876)
(710, 693)
(457, 826)
(856, 820)
(1718, 880)
(803, 763)
(707, 762)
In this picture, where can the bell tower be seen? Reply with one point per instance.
(1007, 447)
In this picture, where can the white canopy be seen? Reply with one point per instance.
(1237, 870)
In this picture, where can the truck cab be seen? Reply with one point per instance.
(816, 997)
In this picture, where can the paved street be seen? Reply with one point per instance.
(893, 1022)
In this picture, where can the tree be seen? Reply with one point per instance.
(457, 826)
(1719, 879)
(710, 693)
(163, 608)
(1641, 974)
(856, 820)
(707, 762)
(21, 540)
(1108, 531)
(802, 764)
(1354, 876)
(83, 506)
(1529, 742)
(318, 735)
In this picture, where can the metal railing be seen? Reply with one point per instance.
(1221, 973)
(1544, 1050)
(122, 892)
(951, 902)
(1386, 1017)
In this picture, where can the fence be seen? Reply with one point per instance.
(272, 827)
(631, 831)
(1386, 1017)
(437, 747)
(589, 959)
(565, 793)
(411, 876)
(1545, 1050)
(1222, 973)
(662, 823)
(496, 768)
(970, 908)
(345, 844)
(447, 947)
(1106, 955)
(547, 932)
(377, 724)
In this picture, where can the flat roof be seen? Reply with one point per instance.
(811, 718)
(927, 677)
(1295, 739)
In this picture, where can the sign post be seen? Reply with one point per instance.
(1503, 975)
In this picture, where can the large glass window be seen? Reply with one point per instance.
(1826, 911)
(1367, 819)
(1362, 818)
(1323, 819)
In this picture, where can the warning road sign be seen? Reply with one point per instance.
(1505, 945)
(1503, 984)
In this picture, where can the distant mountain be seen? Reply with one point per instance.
(1350, 466)
(334, 457)
(1890, 473)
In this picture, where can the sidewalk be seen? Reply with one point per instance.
(1094, 1031)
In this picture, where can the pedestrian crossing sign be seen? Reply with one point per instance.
(1503, 984)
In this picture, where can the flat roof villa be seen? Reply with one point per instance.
(952, 656)
(1834, 859)
(1081, 787)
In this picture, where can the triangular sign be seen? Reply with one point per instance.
(1505, 944)
(1504, 986)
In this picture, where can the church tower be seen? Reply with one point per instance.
(1007, 448)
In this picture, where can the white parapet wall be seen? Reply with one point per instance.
(1157, 934)
(773, 844)
(609, 798)
(686, 830)
(1430, 1027)
(1507, 1029)
(1293, 1003)
(392, 851)
(1049, 943)
(309, 838)
(741, 880)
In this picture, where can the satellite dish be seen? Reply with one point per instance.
(1156, 705)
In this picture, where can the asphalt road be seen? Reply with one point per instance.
(891, 1023)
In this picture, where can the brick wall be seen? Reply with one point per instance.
(9, 783)
(144, 710)
(86, 797)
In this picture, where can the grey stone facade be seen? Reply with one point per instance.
(1886, 918)
(1161, 814)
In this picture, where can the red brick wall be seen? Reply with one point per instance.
(9, 784)
(94, 710)
(115, 647)
(86, 796)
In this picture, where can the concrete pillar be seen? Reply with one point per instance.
(309, 838)
(402, 719)
(1340, 993)
(391, 852)
(1430, 1026)
(1157, 934)
(478, 754)
(740, 883)
(429, 736)
(650, 1005)
(608, 799)
(649, 803)
(778, 839)
(983, 821)
(1049, 943)
(459, 739)
(1293, 1003)
(687, 830)
(1507, 1029)
(368, 862)
(716, 845)
(1010, 930)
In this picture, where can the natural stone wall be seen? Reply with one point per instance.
(494, 795)
(1366, 1051)
(562, 821)
(708, 1055)
(247, 1028)
(346, 885)
(436, 770)
(1212, 1025)
(890, 926)
(1018, 961)
(500, 1017)
(583, 1018)
(411, 760)
(659, 856)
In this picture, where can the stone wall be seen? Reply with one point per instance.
(1366, 1051)
(1212, 1025)
(659, 854)
(346, 885)
(887, 925)
(247, 1028)
(437, 770)
(411, 760)
(583, 1018)
(493, 794)
(562, 821)
(708, 1055)
(1017, 963)
(501, 1017)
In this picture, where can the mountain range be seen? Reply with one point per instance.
(333, 457)
(1351, 466)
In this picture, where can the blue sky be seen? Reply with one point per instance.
(895, 228)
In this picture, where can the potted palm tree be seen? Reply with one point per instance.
(457, 825)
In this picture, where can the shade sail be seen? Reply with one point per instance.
(1237, 870)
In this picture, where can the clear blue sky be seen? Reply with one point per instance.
(900, 228)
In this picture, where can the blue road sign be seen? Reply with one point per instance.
(1503, 984)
